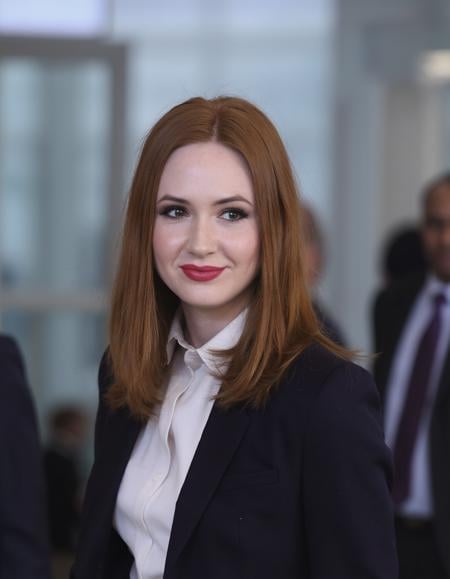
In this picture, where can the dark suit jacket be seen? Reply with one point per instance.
(63, 487)
(23, 537)
(391, 311)
(299, 489)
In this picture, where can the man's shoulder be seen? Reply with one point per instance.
(10, 355)
(8, 343)
(400, 292)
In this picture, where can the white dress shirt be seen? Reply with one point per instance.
(419, 503)
(165, 448)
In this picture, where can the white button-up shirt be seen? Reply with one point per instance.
(419, 503)
(165, 448)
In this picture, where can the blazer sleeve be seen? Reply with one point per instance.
(24, 549)
(347, 504)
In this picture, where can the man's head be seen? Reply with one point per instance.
(436, 226)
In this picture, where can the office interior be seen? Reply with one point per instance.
(360, 92)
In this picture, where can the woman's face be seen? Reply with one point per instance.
(206, 239)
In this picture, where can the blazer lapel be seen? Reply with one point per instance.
(220, 439)
(118, 441)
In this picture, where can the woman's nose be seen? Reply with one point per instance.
(202, 237)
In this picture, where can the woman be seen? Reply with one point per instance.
(233, 440)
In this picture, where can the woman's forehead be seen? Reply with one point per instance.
(205, 170)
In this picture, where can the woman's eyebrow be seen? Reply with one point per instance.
(174, 199)
(223, 201)
(233, 199)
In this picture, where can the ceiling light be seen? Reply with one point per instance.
(434, 66)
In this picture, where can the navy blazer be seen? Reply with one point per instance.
(24, 550)
(298, 489)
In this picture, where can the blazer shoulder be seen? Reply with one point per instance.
(333, 394)
(319, 373)
(313, 366)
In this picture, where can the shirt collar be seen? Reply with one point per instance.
(223, 340)
(435, 286)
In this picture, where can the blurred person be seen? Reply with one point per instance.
(412, 329)
(67, 426)
(233, 439)
(68, 429)
(403, 254)
(24, 552)
(314, 256)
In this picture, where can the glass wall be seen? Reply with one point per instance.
(277, 54)
(56, 199)
(61, 129)
(53, 175)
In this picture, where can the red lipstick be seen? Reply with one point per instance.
(201, 273)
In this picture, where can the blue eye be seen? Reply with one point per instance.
(173, 211)
(234, 214)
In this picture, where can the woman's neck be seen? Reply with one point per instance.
(200, 325)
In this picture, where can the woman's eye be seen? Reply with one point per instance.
(173, 212)
(234, 214)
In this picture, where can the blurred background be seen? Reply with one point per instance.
(359, 90)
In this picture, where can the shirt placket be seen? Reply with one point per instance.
(163, 465)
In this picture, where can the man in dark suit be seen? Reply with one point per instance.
(23, 536)
(412, 333)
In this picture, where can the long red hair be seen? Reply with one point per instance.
(280, 322)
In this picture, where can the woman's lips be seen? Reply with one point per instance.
(201, 273)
